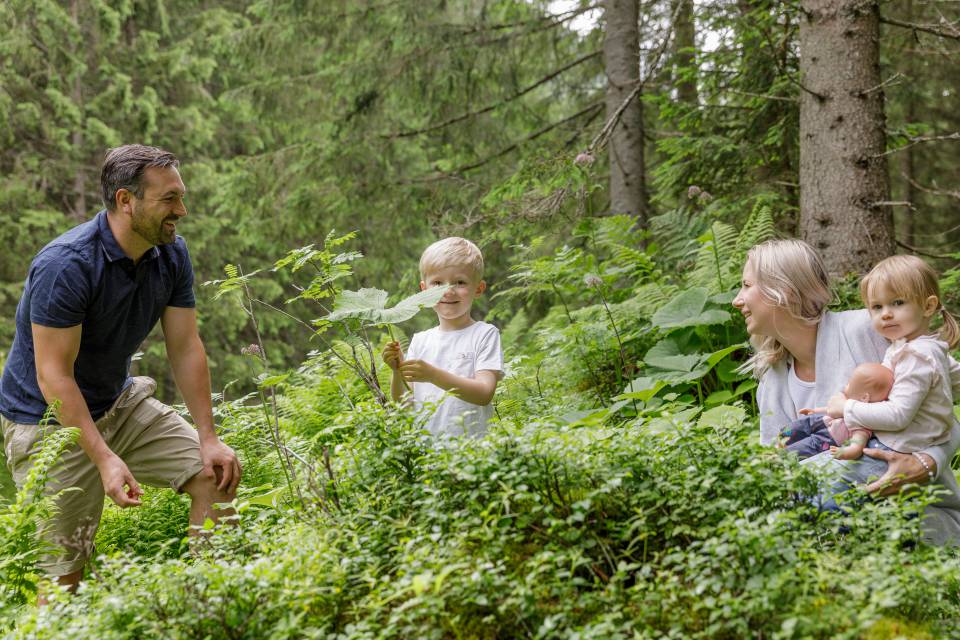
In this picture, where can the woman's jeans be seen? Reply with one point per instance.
(846, 474)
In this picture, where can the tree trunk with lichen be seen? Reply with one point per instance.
(621, 55)
(844, 185)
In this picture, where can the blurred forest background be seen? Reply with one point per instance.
(408, 121)
(615, 160)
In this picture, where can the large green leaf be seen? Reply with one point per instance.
(368, 305)
(687, 309)
(642, 388)
(667, 363)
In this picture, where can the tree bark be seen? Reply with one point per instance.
(911, 193)
(79, 206)
(621, 54)
(684, 45)
(843, 172)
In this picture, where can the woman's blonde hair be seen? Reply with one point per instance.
(912, 279)
(790, 274)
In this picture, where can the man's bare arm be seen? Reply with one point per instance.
(188, 359)
(55, 351)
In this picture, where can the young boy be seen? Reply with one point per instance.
(456, 365)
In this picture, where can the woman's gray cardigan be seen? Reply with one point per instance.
(844, 340)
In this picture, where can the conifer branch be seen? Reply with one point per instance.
(555, 19)
(917, 140)
(533, 136)
(472, 114)
(933, 29)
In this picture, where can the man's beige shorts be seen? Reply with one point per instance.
(159, 447)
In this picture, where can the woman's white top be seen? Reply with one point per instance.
(803, 393)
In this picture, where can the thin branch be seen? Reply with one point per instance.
(936, 192)
(925, 28)
(491, 107)
(917, 140)
(554, 18)
(601, 138)
(532, 136)
(891, 80)
(922, 252)
(892, 203)
(765, 96)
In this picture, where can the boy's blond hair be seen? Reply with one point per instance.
(452, 252)
(912, 279)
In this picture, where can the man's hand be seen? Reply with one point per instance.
(118, 483)
(418, 371)
(902, 468)
(392, 355)
(216, 455)
(835, 405)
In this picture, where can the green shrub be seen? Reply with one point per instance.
(674, 524)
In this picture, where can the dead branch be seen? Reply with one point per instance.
(923, 252)
(765, 96)
(917, 140)
(490, 107)
(932, 191)
(933, 29)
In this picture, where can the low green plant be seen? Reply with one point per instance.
(20, 521)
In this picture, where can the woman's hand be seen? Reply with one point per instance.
(902, 469)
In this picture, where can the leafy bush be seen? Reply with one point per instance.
(673, 524)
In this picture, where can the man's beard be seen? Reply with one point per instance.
(150, 230)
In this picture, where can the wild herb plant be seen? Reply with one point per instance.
(20, 521)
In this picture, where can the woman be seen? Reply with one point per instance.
(804, 354)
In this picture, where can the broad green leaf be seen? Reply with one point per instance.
(687, 309)
(368, 305)
(745, 386)
(664, 424)
(718, 397)
(666, 354)
(724, 415)
(642, 388)
(268, 499)
(717, 356)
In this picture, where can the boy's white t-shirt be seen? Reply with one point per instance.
(463, 353)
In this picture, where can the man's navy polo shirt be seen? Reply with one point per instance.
(84, 277)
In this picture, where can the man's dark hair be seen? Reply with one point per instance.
(123, 169)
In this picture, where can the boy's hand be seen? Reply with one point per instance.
(835, 405)
(808, 412)
(392, 355)
(418, 371)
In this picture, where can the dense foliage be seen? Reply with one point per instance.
(620, 492)
(593, 508)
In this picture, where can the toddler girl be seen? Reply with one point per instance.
(902, 295)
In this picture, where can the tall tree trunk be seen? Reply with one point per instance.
(684, 45)
(79, 206)
(843, 172)
(621, 54)
(911, 193)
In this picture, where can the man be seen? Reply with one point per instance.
(90, 298)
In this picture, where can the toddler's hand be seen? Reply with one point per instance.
(417, 371)
(835, 405)
(392, 355)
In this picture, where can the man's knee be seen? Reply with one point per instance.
(204, 488)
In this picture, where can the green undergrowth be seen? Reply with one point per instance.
(672, 524)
